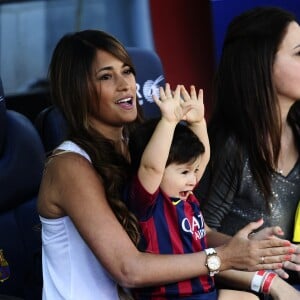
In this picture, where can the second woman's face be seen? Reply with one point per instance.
(116, 91)
(287, 65)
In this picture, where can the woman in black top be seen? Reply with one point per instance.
(254, 170)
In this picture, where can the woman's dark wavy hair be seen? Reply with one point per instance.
(70, 75)
(246, 106)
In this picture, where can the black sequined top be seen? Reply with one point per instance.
(229, 207)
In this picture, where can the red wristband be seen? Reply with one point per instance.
(267, 282)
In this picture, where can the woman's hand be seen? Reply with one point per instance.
(252, 255)
(293, 264)
(274, 233)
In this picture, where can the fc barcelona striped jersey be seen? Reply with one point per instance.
(170, 226)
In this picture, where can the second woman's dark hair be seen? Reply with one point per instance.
(246, 107)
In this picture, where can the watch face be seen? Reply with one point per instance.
(213, 262)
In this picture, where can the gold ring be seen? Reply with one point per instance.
(262, 259)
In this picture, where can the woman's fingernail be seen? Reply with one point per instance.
(291, 251)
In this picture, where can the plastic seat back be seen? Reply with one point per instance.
(21, 165)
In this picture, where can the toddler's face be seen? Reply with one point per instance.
(179, 180)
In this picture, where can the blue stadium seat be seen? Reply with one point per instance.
(150, 76)
(21, 165)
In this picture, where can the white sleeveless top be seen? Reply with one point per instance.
(70, 269)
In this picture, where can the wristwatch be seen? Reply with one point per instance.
(213, 261)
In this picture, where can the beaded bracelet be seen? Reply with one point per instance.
(257, 280)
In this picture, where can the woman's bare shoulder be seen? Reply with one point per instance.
(66, 175)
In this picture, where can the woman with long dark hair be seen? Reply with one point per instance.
(254, 130)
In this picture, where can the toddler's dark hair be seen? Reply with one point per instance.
(185, 146)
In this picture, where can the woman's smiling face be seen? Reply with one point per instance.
(115, 87)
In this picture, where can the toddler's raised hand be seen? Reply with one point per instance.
(171, 105)
(195, 104)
